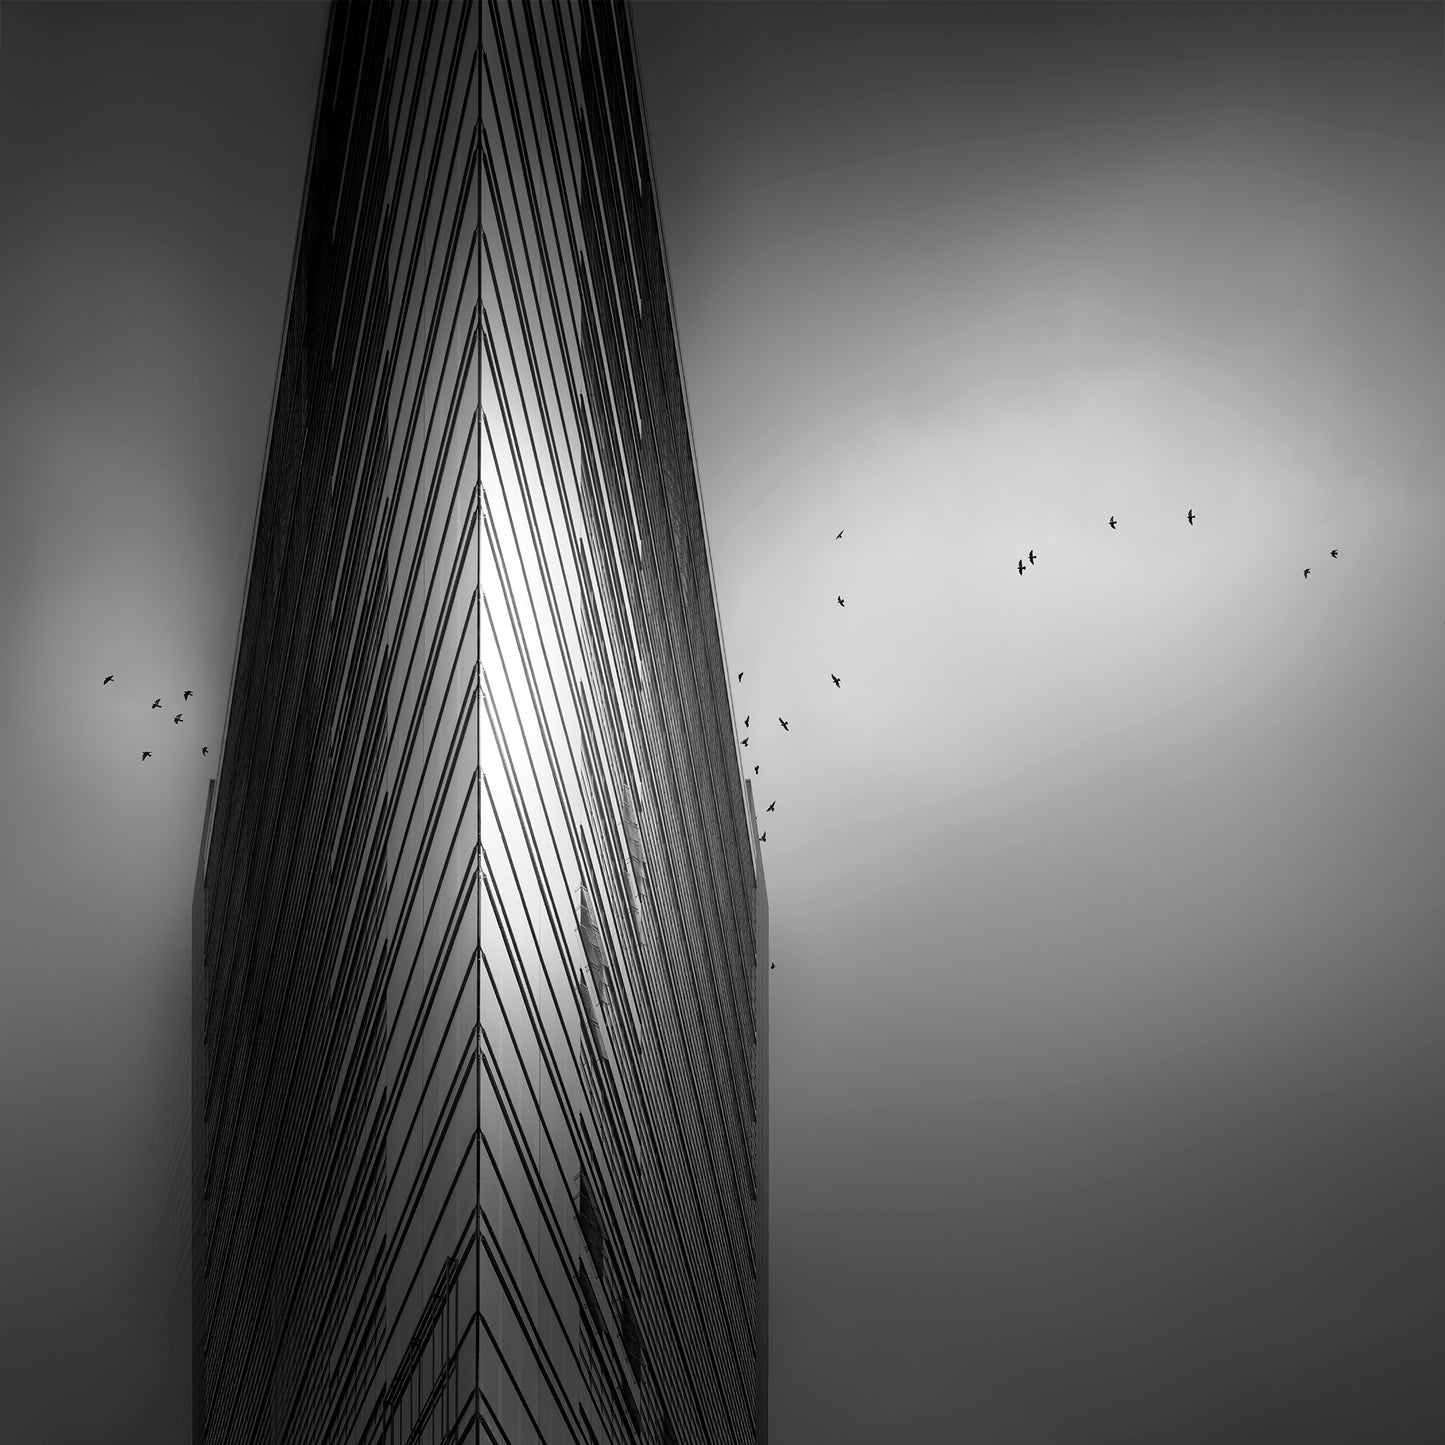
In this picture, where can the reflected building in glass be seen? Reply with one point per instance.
(479, 978)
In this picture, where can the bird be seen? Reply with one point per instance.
(784, 723)
(771, 806)
(1307, 571)
(111, 678)
(177, 718)
(837, 682)
(1191, 516)
(144, 756)
(772, 965)
(740, 677)
(764, 838)
(840, 533)
(1031, 557)
(747, 720)
(204, 751)
(1113, 523)
(756, 766)
(185, 694)
(1021, 566)
(745, 742)
(1334, 551)
(155, 704)
(840, 602)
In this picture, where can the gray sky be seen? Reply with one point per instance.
(151, 161)
(1106, 900)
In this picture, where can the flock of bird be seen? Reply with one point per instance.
(747, 720)
(783, 722)
(177, 720)
(837, 681)
(1022, 568)
(1114, 527)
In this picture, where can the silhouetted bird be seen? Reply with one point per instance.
(1113, 523)
(840, 602)
(204, 751)
(177, 718)
(185, 694)
(771, 806)
(756, 766)
(1334, 551)
(111, 678)
(747, 720)
(144, 756)
(740, 677)
(836, 681)
(745, 742)
(1191, 516)
(1021, 566)
(772, 965)
(839, 535)
(1307, 571)
(155, 704)
(1031, 557)
(785, 725)
(763, 839)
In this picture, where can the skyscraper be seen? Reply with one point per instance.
(480, 978)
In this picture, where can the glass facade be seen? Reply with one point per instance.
(480, 979)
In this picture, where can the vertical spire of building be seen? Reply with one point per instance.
(480, 1131)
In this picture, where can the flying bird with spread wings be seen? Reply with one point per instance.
(111, 678)
(1334, 551)
(740, 677)
(764, 838)
(840, 602)
(204, 751)
(784, 723)
(771, 806)
(747, 720)
(177, 718)
(144, 756)
(1191, 516)
(185, 695)
(1021, 566)
(155, 704)
(837, 681)
(839, 535)
(1114, 524)
(745, 742)
(1307, 572)
(1032, 558)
